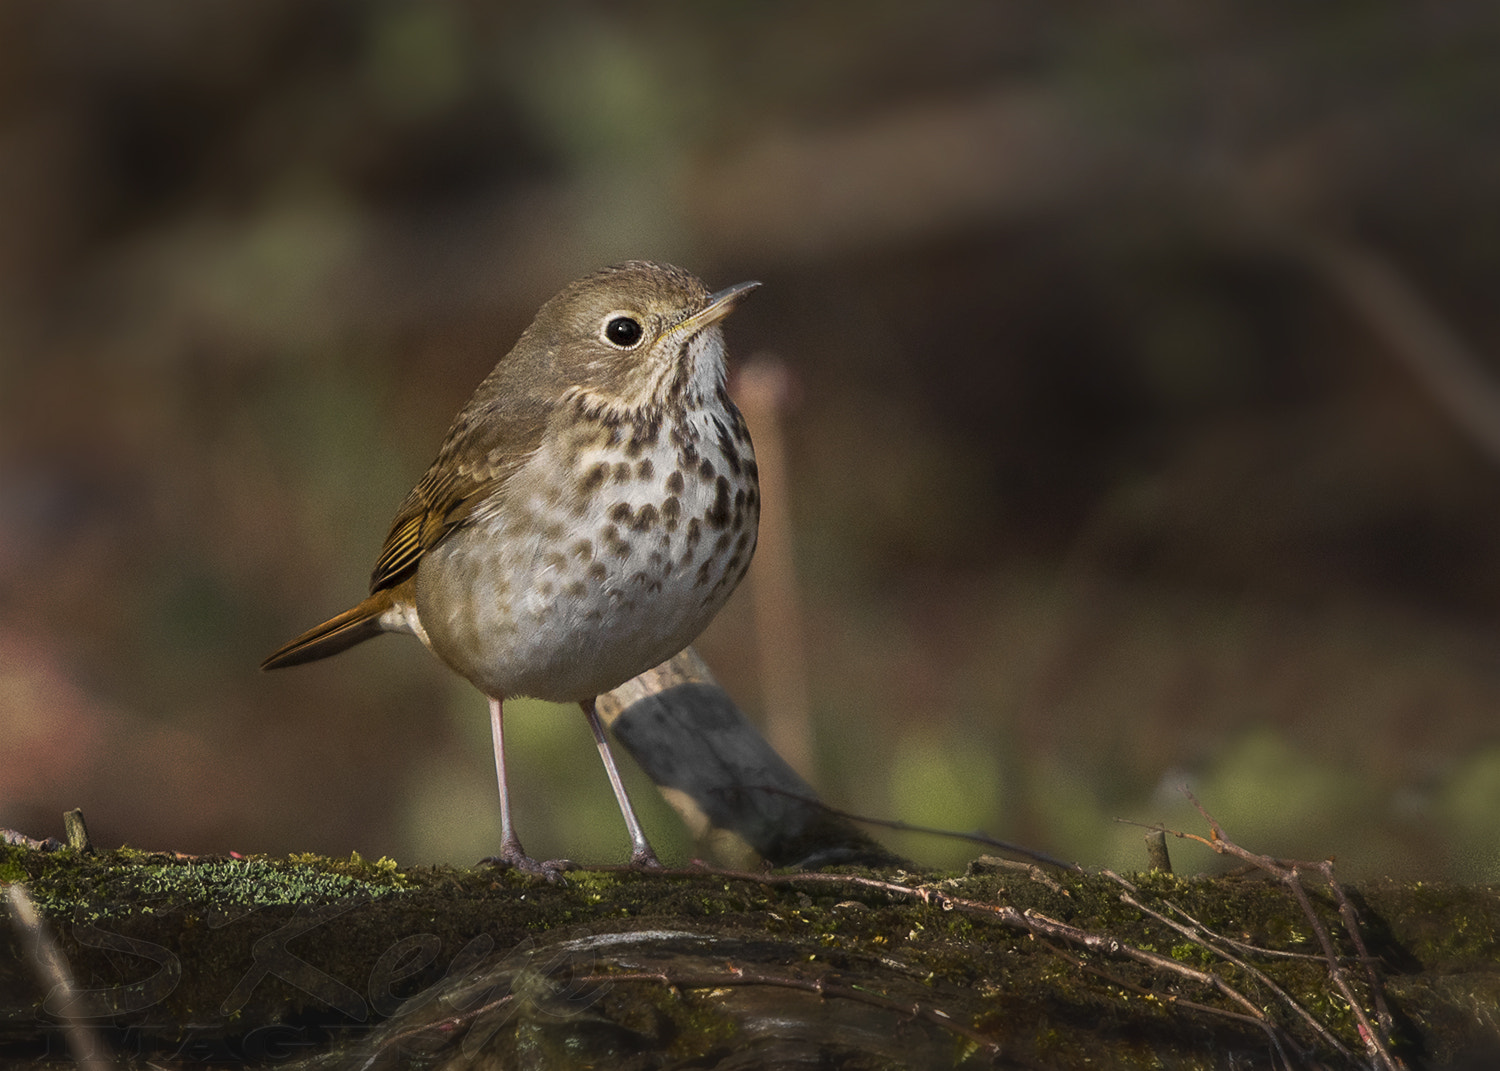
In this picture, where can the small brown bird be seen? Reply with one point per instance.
(593, 506)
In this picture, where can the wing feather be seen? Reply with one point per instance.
(477, 459)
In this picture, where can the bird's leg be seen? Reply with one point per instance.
(640, 848)
(511, 852)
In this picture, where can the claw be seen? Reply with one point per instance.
(512, 856)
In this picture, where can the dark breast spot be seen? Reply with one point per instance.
(644, 470)
(727, 447)
(594, 479)
(717, 515)
(645, 518)
(644, 435)
(675, 483)
(671, 511)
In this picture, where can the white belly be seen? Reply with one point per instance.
(564, 592)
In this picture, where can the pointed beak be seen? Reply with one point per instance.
(719, 306)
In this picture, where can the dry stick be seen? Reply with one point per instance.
(1243, 946)
(78, 831)
(52, 970)
(1351, 924)
(1035, 922)
(978, 836)
(1290, 875)
(1207, 938)
(1032, 922)
(1272, 1034)
(1156, 851)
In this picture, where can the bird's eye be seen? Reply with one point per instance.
(622, 331)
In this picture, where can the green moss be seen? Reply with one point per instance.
(1046, 1007)
(110, 884)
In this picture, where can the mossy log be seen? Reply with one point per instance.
(161, 960)
(360, 964)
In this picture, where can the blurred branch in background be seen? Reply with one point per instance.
(764, 389)
(1463, 383)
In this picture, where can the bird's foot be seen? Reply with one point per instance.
(511, 855)
(645, 859)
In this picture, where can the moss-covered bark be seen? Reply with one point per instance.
(346, 962)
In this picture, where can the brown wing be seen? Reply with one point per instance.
(480, 454)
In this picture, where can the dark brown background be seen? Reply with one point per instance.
(1099, 483)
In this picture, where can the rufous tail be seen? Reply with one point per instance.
(334, 635)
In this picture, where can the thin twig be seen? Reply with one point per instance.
(1172, 999)
(978, 836)
(1290, 874)
(1208, 939)
(1030, 921)
(1351, 924)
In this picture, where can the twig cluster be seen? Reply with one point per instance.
(1376, 1040)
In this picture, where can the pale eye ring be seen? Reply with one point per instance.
(622, 330)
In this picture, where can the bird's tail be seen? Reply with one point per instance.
(334, 635)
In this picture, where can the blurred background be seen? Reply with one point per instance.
(1140, 424)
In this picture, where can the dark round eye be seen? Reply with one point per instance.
(623, 331)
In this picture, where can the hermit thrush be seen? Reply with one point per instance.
(593, 506)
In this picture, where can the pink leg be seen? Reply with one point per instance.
(640, 848)
(511, 852)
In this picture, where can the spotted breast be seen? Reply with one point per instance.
(609, 551)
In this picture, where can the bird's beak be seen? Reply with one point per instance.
(719, 306)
